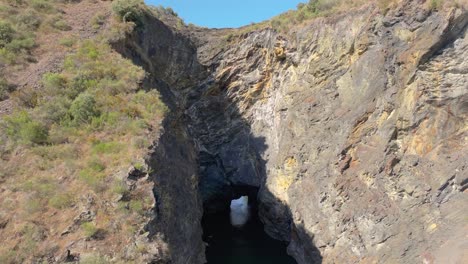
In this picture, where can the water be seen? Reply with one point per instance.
(248, 244)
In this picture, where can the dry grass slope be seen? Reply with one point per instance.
(64, 145)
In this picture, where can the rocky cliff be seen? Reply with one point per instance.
(353, 126)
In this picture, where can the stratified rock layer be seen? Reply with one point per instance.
(355, 129)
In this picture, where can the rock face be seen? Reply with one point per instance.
(170, 59)
(354, 128)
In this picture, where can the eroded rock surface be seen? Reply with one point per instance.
(354, 128)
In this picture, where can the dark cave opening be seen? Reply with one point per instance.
(246, 244)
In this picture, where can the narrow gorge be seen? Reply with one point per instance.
(353, 128)
(349, 134)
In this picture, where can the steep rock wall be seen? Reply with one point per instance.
(354, 128)
(170, 59)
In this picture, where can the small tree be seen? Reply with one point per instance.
(129, 10)
(20, 126)
(83, 109)
(6, 33)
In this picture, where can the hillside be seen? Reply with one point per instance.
(122, 127)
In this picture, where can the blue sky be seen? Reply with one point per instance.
(226, 13)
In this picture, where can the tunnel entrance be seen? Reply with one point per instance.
(231, 240)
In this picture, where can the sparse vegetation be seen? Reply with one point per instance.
(136, 206)
(42, 5)
(28, 20)
(70, 136)
(161, 11)
(306, 11)
(309, 10)
(94, 259)
(89, 229)
(67, 42)
(21, 22)
(60, 24)
(5, 89)
(98, 21)
(61, 201)
(129, 10)
(169, 16)
(6, 33)
(435, 4)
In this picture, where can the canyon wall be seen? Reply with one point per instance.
(170, 60)
(353, 126)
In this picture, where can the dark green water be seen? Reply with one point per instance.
(246, 245)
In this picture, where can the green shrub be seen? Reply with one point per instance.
(67, 42)
(40, 187)
(317, 6)
(60, 24)
(26, 97)
(140, 142)
(33, 205)
(79, 84)
(19, 126)
(42, 5)
(7, 56)
(98, 21)
(136, 206)
(61, 201)
(54, 81)
(89, 229)
(161, 11)
(109, 120)
(171, 12)
(139, 166)
(28, 20)
(5, 89)
(230, 37)
(107, 147)
(14, 44)
(22, 43)
(83, 109)
(6, 33)
(129, 10)
(10, 256)
(150, 102)
(34, 132)
(54, 110)
(435, 4)
(93, 179)
(96, 165)
(120, 187)
(89, 50)
(180, 24)
(113, 87)
(59, 152)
